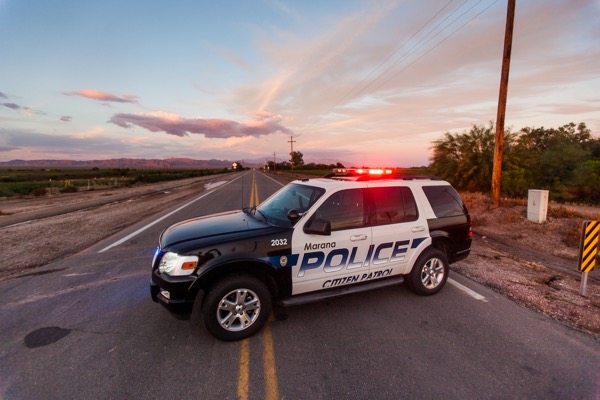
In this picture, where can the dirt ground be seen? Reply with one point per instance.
(533, 264)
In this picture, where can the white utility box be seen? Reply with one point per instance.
(537, 205)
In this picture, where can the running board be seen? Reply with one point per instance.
(327, 294)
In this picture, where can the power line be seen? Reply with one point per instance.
(439, 43)
(386, 60)
(337, 105)
(418, 46)
(410, 52)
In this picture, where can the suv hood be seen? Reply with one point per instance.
(211, 226)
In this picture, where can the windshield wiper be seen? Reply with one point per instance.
(261, 213)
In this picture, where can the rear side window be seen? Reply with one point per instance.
(392, 205)
(445, 201)
(344, 209)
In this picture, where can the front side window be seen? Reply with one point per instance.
(344, 209)
(392, 205)
(291, 197)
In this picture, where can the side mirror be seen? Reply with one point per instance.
(294, 215)
(318, 227)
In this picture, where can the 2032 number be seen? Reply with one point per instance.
(278, 242)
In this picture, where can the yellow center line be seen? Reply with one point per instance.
(270, 374)
(253, 193)
(244, 374)
(271, 389)
(256, 202)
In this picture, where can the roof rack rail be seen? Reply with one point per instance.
(404, 177)
(361, 178)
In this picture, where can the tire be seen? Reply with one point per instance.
(430, 272)
(236, 307)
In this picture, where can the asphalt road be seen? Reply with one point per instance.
(86, 328)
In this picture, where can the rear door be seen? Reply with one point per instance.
(399, 231)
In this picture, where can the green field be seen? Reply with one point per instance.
(39, 181)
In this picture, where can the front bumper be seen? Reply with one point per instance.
(173, 292)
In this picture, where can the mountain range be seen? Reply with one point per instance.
(146, 163)
(125, 163)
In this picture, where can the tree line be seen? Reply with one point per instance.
(297, 160)
(564, 160)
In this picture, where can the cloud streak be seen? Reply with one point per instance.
(31, 145)
(103, 96)
(12, 106)
(172, 124)
(26, 110)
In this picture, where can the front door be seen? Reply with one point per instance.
(342, 258)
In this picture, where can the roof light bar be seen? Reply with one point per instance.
(361, 171)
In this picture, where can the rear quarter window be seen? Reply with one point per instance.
(392, 205)
(444, 201)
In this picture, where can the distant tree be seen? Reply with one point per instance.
(551, 156)
(564, 160)
(466, 159)
(585, 183)
(296, 158)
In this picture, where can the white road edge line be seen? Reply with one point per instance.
(468, 291)
(267, 176)
(126, 238)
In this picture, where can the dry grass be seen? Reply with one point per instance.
(561, 211)
(571, 232)
(509, 216)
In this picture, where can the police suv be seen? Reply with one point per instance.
(350, 231)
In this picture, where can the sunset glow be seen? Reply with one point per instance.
(350, 81)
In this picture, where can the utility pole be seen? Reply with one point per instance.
(291, 142)
(273, 162)
(498, 148)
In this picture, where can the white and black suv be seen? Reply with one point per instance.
(313, 239)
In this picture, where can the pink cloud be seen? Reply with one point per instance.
(103, 96)
(263, 124)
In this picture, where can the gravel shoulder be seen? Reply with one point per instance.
(533, 264)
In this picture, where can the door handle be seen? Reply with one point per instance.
(356, 238)
(418, 229)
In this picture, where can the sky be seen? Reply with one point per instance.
(355, 81)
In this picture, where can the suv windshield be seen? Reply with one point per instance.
(292, 196)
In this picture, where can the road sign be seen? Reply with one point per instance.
(588, 251)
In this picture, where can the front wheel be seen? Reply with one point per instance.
(430, 272)
(236, 307)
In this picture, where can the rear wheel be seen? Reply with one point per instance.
(430, 272)
(236, 307)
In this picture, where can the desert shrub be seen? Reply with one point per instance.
(475, 199)
(39, 191)
(510, 216)
(69, 189)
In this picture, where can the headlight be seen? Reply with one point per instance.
(176, 265)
